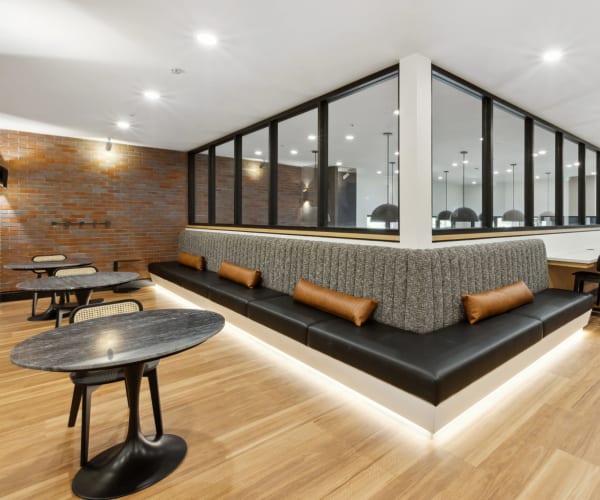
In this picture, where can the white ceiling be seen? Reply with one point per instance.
(76, 67)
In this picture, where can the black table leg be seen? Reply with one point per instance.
(48, 314)
(135, 464)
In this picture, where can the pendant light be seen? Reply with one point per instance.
(387, 212)
(513, 215)
(547, 214)
(463, 214)
(445, 214)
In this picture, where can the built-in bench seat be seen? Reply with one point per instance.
(434, 366)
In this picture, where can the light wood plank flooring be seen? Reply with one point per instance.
(258, 426)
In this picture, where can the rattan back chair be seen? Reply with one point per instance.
(87, 382)
(40, 272)
(64, 306)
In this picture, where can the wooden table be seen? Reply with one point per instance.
(562, 265)
(128, 341)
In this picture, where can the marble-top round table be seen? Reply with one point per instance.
(128, 341)
(49, 266)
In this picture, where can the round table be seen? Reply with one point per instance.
(82, 285)
(49, 266)
(128, 341)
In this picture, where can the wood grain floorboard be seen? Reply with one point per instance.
(261, 427)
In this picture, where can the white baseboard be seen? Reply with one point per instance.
(416, 410)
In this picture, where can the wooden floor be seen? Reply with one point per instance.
(259, 426)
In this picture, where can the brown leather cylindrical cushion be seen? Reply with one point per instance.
(239, 274)
(187, 259)
(355, 309)
(483, 305)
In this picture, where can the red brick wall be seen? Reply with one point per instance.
(141, 191)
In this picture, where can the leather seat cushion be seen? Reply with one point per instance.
(236, 296)
(286, 316)
(434, 366)
(191, 279)
(554, 307)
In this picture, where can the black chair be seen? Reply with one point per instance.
(87, 382)
(41, 272)
(583, 277)
(64, 306)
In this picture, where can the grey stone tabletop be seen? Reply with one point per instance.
(118, 340)
(49, 265)
(77, 281)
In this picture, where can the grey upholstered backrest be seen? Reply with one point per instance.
(418, 290)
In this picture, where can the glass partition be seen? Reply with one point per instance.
(255, 178)
(571, 182)
(509, 171)
(544, 175)
(224, 181)
(201, 188)
(362, 170)
(590, 187)
(297, 179)
(456, 156)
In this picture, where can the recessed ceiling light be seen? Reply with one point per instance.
(349, 137)
(379, 172)
(152, 95)
(440, 178)
(576, 164)
(207, 39)
(481, 138)
(537, 176)
(396, 112)
(569, 165)
(508, 170)
(396, 153)
(496, 172)
(542, 152)
(473, 182)
(312, 137)
(396, 171)
(258, 152)
(124, 125)
(455, 164)
(593, 173)
(293, 152)
(535, 155)
(465, 162)
(553, 55)
(338, 163)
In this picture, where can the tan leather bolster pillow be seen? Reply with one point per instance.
(239, 274)
(483, 305)
(355, 309)
(187, 259)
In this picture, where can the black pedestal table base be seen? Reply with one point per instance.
(135, 464)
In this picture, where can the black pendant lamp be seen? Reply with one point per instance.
(513, 215)
(445, 214)
(463, 214)
(387, 212)
(547, 214)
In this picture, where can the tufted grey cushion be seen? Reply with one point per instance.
(417, 290)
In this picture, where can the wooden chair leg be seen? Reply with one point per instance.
(77, 395)
(154, 394)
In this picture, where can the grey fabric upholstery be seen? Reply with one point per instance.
(417, 290)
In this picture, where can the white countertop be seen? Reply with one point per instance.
(576, 255)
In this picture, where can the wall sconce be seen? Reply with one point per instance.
(3, 176)
(305, 194)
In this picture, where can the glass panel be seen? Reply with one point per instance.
(544, 176)
(201, 188)
(363, 165)
(456, 157)
(224, 179)
(255, 178)
(297, 179)
(570, 187)
(509, 171)
(590, 187)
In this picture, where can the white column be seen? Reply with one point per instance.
(415, 152)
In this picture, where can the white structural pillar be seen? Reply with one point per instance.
(415, 151)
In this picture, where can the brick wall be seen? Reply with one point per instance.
(141, 191)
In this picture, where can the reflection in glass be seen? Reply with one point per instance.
(544, 176)
(224, 180)
(509, 174)
(297, 179)
(456, 156)
(255, 178)
(363, 171)
(571, 183)
(201, 188)
(590, 187)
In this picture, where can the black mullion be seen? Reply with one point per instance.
(212, 185)
(581, 184)
(323, 208)
(597, 214)
(558, 178)
(487, 202)
(528, 162)
(237, 182)
(191, 188)
(273, 172)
